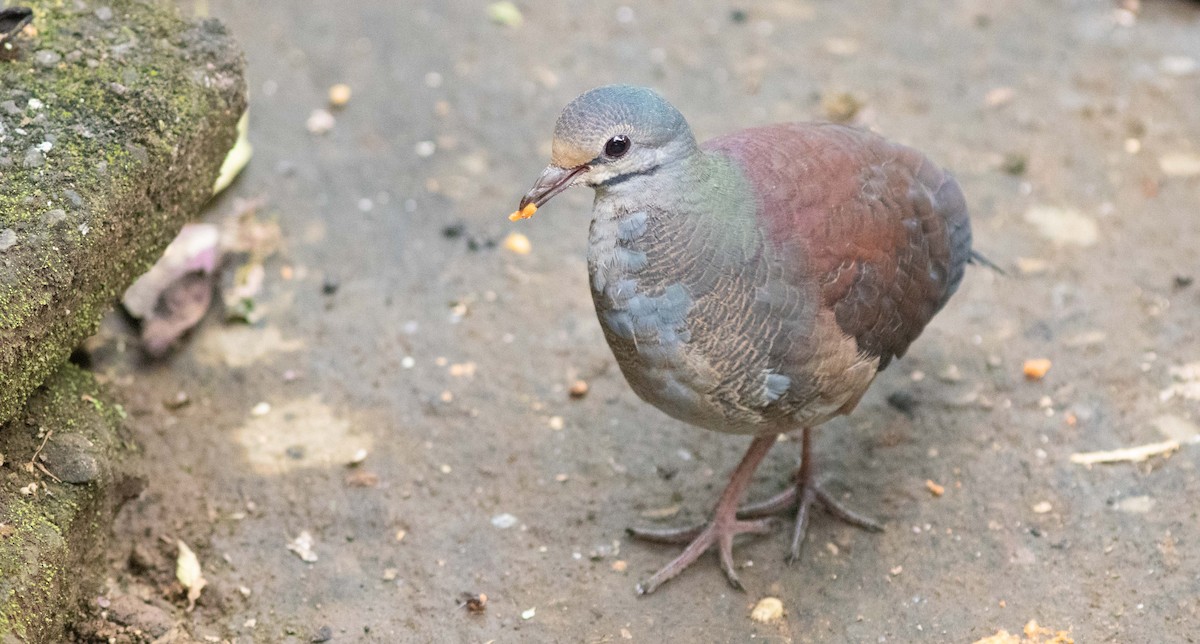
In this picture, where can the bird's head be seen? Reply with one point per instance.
(607, 135)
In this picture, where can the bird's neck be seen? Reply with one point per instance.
(697, 183)
(702, 194)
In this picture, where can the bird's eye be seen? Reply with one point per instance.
(616, 146)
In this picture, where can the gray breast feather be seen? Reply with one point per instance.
(647, 319)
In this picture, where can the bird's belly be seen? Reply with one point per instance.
(648, 335)
(647, 328)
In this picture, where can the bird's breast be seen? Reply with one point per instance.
(649, 312)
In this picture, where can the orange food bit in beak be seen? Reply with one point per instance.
(524, 213)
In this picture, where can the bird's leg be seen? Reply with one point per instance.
(806, 492)
(719, 531)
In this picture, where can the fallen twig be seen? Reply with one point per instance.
(1126, 454)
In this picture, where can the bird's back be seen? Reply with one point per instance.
(881, 229)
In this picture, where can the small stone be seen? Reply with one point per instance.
(54, 216)
(390, 574)
(8, 239)
(330, 285)
(578, 389)
(1036, 369)
(302, 546)
(1064, 226)
(1014, 164)
(950, 374)
(998, 96)
(902, 401)
(504, 521)
(767, 610)
(1042, 507)
(261, 409)
(528, 614)
(425, 148)
(841, 107)
(34, 158)
(339, 95)
(47, 57)
(320, 122)
(556, 423)
(104, 13)
(934, 488)
(518, 243)
(1180, 164)
(72, 458)
(180, 399)
(1136, 504)
(1178, 65)
(505, 13)
(1032, 265)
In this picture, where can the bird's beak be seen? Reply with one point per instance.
(554, 179)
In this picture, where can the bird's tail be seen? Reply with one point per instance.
(977, 258)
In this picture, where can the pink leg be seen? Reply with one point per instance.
(719, 531)
(806, 493)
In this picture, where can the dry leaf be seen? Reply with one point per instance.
(187, 571)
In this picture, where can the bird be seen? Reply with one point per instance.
(755, 283)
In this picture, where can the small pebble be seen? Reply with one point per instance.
(180, 399)
(1064, 226)
(1178, 65)
(261, 409)
(47, 57)
(934, 488)
(507, 14)
(8, 239)
(518, 243)
(578, 389)
(1042, 507)
(339, 95)
(504, 521)
(34, 158)
(320, 122)
(528, 614)
(1180, 164)
(1036, 368)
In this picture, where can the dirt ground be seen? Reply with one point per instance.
(395, 321)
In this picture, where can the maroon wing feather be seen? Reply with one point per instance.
(882, 231)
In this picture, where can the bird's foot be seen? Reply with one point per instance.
(719, 532)
(806, 494)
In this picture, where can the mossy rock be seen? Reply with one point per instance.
(114, 120)
(53, 533)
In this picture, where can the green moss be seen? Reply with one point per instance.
(141, 110)
(52, 557)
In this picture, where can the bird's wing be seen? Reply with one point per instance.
(882, 231)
